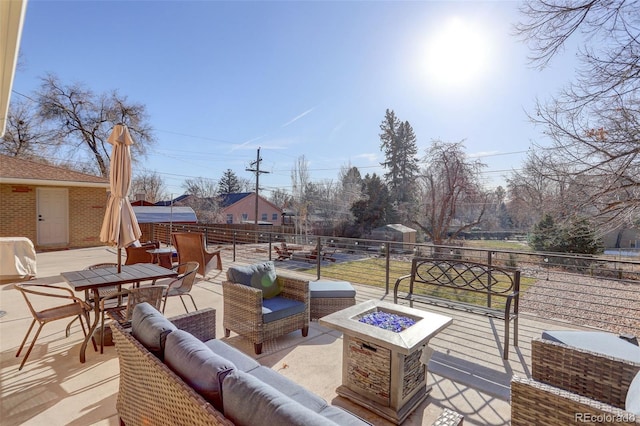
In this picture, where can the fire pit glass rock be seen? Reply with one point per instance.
(387, 320)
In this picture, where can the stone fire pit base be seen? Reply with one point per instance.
(382, 370)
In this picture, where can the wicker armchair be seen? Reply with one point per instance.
(243, 311)
(570, 384)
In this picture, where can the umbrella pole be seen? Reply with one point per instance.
(119, 259)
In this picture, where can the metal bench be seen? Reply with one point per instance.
(473, 287)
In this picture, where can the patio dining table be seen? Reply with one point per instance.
(94, 279)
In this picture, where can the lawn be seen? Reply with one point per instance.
(372, 271)
(498, 245)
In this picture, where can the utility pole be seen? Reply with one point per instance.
(257, 171)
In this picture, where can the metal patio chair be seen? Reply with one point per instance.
(35, 294)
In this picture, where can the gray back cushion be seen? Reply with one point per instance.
(241, 274)
(197, 365)
(150, 328)
(249, 401)
(258, 275)
(242, 361)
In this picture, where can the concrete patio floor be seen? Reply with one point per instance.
(467, 372)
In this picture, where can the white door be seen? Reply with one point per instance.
(53, 216)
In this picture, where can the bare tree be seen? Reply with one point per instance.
(26, 135)
(452, 198)
(203, 199)
(150, 184)
(280, 198)
(300, 180)
(349, 192)
(85, 119)
(594, 123)
(541, 188)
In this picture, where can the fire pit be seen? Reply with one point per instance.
(385, 355)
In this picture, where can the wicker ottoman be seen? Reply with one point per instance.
(327, 297)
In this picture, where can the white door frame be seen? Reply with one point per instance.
(52, 216)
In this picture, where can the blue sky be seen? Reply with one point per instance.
(220, 79)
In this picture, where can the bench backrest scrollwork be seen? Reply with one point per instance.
(493, 281)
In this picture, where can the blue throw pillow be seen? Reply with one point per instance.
(264, 278)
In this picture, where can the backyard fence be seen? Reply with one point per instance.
(589, 291)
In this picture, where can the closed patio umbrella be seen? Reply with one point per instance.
(120, 226)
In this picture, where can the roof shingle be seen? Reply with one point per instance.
(18, 168)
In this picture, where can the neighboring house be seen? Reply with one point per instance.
(622, 238)
(176, 201)
(52, 206)
(241, 208)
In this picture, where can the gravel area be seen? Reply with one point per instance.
(585, 301)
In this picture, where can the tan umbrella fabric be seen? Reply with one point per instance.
(120, 227)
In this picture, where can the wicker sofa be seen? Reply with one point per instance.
(572, 386)
(262, 305)
(195, 383)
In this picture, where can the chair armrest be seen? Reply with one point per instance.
(593, 375)
(242, 302)
(538, 403)
(294, 288)
(201, 324)
(396, 285)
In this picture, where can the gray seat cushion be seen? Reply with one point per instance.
(341, 417)
(242, 361)
(280, 307)
(290, 388)
(197, 365)
(248, 401)
(331, 289)
(632, 403)
(150, 328)
(600, 342)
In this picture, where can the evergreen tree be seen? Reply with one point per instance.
(408, 150)
(545, 234)
(398, 143)
(229, 183)
(375, 209)
(580, 237)
(577, 237)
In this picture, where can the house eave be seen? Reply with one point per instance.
(47, 182)
(11, 22)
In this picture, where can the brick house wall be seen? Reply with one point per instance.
(17, 211)
(86, 211)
